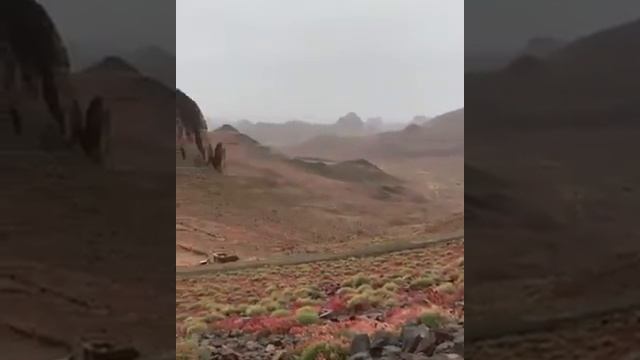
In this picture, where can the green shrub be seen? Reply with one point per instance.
(308, 292)
(309, 302)
(432, 319)
(255, 310)
(389, 303)
(270, 304)
(359, 280)
(391, 286)
(324, 351)
(281, 313)
(421, 283)
(446, 288)
(307, 316)
(345, 291)
(195, 327)
(234, 310)
(364, 288)
(213, 317)
(383, 294)
(358, 301)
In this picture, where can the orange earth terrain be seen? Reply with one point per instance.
(327, 248)
(270, 204)
(323, 302)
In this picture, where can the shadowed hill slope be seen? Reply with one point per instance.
(591, 80)
(141, 111)
(35, 66)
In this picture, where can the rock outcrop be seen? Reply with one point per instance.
(191, 126)
(219, 158)
(34, 70)
(133, 112)
(38, 94)
(350, 124)
(420, 119)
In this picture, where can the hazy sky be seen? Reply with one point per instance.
(317, 60)
(505, 25)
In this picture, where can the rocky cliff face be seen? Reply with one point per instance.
(191, 125)
(137, 111)
(35, 71)
(350, 124)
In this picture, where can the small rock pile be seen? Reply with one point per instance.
(415, 342)
(236, 345)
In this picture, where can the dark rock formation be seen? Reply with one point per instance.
(350, 123)
(219, 157)
(107, 351)
(35, 52)
(413, 128)
(16, 119)
(191, 121)
(227, 127)
(420, 119)
(414, 342)
(93, 135)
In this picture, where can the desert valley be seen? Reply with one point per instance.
(358, 233)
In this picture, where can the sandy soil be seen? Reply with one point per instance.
(265, 206)
(562, 248)
(77, 245)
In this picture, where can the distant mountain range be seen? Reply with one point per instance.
(592, 79)
(297, 131)
(441, 136)
(541, 46)
(150, 60)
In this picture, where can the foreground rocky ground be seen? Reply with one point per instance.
(613, 335)
(410, 304)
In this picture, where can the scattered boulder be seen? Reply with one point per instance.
(412, 336)
(415, 341)
(380, 341)
(16, 119)
(219, 157)
(224, 258)
(360, 344)
(238, 345)
(99, 350)
(92, 136)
